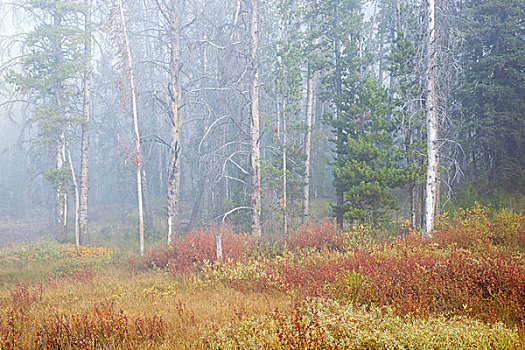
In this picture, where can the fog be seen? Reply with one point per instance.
(253, 128)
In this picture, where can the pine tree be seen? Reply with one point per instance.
(371, 164)
(492, 93)
(49, 76)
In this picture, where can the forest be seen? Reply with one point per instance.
(245, 174)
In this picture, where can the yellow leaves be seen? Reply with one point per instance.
(84, 251)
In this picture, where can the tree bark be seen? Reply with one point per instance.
(84, 147)
(61, 196)
(77, 195)
(148, 214)
(310, 110)
(138, 149)
(432, 181)
(175, 93)
(285, 177)
(255, 151)
(338, 92)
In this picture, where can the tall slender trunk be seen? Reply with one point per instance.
(84, 147)
(175, 93)
(285, 175)
(61, 196)
(338, 92)
(310, 110)
(255, 151)
(138, 149)
(432, 181)
(148, 213)
(77, 195)
(60, 154)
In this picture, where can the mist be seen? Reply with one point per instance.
(175, 89)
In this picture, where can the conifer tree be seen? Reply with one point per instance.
(49, 76)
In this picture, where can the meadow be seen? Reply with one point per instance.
(320, 288)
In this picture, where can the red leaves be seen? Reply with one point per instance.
(318, 235)
(191, 250)
(102, 326)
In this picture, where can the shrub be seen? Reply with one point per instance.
(195, 248)
(479, 226)
(105, 327)
(324, 235)
(325, 324)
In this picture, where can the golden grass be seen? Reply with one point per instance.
(189, 312)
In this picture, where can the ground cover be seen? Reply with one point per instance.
(321, 288)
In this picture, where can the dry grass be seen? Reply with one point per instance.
(189, 312)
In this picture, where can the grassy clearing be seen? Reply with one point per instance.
(321, 289)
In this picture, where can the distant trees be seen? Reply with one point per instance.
(492, 93)
(254, 80)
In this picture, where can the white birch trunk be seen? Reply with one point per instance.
(432, 126)
(285, 175)
(175, 94)
(138, 150)
(77, 196)
(255, 151)
(310, 111)
(81, 237)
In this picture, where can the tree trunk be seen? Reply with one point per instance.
(432, 126)
(255, 152)
(77, 196)
(175, 93)
(148, 214)
(338, 89)
(61, 197)
(285, 177)
(310, 110)
(138, 149)
(84, 147)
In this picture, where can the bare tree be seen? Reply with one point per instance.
(310, 110)
(255, 151)
(432, 182)
(175, 120)
(84, 148)
(138, 150)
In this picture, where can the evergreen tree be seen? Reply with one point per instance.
(493, 91)
(371, 163)
(49, 75)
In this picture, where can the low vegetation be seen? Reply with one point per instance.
(322, 288)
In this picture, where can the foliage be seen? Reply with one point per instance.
(196, 247)
(324, 235)
(492, 91)
(482, 279)
(326, 324)
(479, 227)
(368, 165)
(104, 327)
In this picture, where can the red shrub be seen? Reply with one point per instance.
(104, 327)
(195, 247)
(318, 235)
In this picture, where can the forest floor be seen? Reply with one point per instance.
(322, 288)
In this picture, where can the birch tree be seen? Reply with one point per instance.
(84, 147)
(432, 182)
(137, 162)
(255, 151)
(175, 94)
